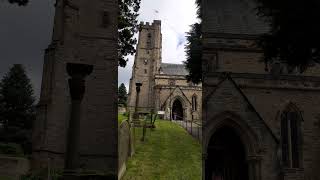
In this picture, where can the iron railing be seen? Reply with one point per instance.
(193, 127)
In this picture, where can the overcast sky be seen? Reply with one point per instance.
(176, 17)
(25, 32)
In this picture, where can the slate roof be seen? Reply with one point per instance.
(173, 69)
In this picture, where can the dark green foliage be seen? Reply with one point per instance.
(194, 54)
(127, 27)
(125, 114)
(194, 50)
(199, 10)
(19, 2)
(43, 174)
(294, 35)
(11, 149)
(17, 108)
(122, 95)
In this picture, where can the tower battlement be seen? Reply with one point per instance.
(155, 23)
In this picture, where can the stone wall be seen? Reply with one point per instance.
(13, 167)
(146, 64)
(80, 37)
(258, 97)
(122, 110)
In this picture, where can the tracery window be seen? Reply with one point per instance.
(291, 138)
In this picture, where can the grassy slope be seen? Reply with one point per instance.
(168, 153)
(121, 118)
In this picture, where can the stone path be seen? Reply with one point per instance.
(194, 129)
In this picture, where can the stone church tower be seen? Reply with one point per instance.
(146, 65)
(164, 85)
(84, 32)
(259, 123)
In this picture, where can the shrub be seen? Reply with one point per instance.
(11, 149)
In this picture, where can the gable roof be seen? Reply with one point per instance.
(173, 69)
(163, 104)
(226, 76)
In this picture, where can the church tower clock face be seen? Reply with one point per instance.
(146, 61)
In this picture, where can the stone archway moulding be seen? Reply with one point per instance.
(251, 141)
(183, 102)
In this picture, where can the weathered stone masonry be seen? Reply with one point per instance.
(84, 32)
(164, 85)
(238, 93)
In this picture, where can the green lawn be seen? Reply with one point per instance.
(168, 153)
(121, 118)
(5, 178)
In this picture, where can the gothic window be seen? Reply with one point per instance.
(145, 71)
(194, 103)
(291, 138)
(105, 19)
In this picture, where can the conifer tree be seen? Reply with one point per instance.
(122, 95)
(17, 108)
(194, 49)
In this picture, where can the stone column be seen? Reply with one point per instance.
(254, 167)
(77, 72)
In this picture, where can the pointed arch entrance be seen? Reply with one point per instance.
(226, 157)
(177, 110)
(231, 149)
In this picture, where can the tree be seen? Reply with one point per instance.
(294, 34)
(122, 95)
(127, 27)
(194, 50)
(194, 54)
(17, 107)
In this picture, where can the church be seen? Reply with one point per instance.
(260, 122)
(164, 86)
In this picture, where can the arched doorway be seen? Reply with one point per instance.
(226, 156)
(177, 110)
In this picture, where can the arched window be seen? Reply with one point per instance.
(291, 138)
(194, 103)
